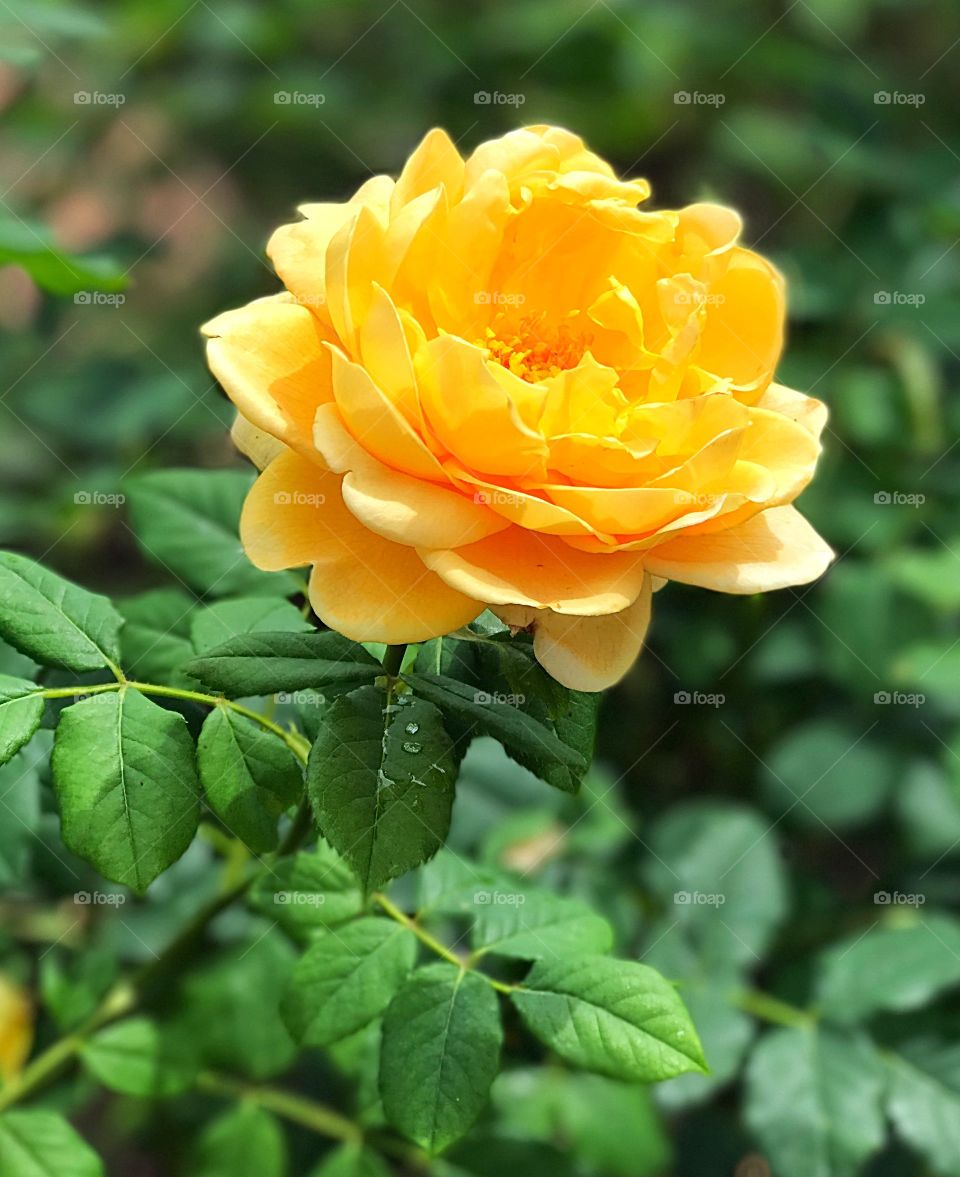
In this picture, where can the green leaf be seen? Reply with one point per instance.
(139, 1057)
(923, 1101)
(381, 783)
(527, 740)
(231, 1008)
(533, 925)
(155, 639)
(899, 967)
(726, 1033)
(265, 663)
(37, 1143)
(54, 621)
(716, 868)
(842, 776)
(20, 792)
(32, 248)
(440, 1053)
(21, 709)
(226, 620)
(249, 776)
(244, 1142)
(346, 978)
(615, 1017)
(187, 521)
(126, 784)
(314, 889)
(613, 1127)
(813, 1101)
(351, 1160)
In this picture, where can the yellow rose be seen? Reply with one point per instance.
(16, 1028)
(497, 383)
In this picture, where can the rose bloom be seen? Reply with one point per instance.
(497, 383)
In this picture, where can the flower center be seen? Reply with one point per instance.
(531, 349)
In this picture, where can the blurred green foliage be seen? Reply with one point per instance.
(150, 132)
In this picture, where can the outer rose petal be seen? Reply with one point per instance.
(270, 358)
(261, 448)
(400, 508)
(366, 587)
(772, 550)
(592, 653)
(519, 567)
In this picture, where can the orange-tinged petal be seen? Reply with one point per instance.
(377, 424)
(404, 509)
(592, 653)
(362, 585)
(520, 567)
(775, 549)
(271, 360)
(471, 413)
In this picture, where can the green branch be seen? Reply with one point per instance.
(435, 946)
